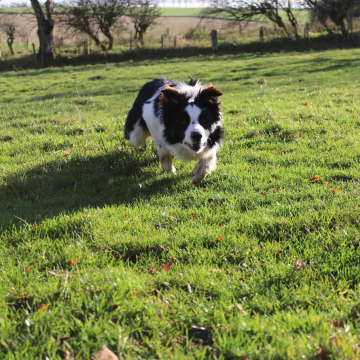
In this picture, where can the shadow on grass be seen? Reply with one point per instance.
(319, 43)
(70, 185)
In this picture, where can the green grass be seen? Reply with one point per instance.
(284, 283)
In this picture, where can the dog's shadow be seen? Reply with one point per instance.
(70, 185)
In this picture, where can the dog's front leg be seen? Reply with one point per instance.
(166, 159)
(204, 167)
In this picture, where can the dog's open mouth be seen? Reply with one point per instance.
(195, 146)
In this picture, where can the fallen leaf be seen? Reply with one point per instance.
(28, 268)
(73, 262)
(181, 275)
(315, 178)
(104, 354)
(278, 252)
(192, 216)
(306, 104)
(36, 226)
(137, 294)
(238, 307)
(214, 270)
(299, 264)
(111, 181)
(326, 182)
(222, 225)
(334, 191)
(323, 353)
(263, 193)
(206, 189)
(141, 185)
(220, 239)
(152, 269)
(218, 207)
(66, 154)
(172, 217)
(88, 151)
(123, 143)
(43, 307)
(273, 189)
(188, 288)
(167, 266)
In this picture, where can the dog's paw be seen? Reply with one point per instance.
(202, 169)
(200, 172)
(170, 170)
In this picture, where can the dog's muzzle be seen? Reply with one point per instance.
(195, 146)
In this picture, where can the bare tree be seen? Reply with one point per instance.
(242, 10)
(288, 9)
(9, 29)
(79, 18)
(143, 15)
(93, 16)
(45, 28)
(337, 11)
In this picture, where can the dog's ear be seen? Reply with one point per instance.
(209, 95)
(172, 96)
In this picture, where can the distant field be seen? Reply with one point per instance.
(173, 11)
(266, 255)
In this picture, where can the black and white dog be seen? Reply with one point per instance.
(183, 119)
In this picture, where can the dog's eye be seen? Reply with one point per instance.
(185, 119)
(203, 120)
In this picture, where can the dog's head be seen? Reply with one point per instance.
(191, 116)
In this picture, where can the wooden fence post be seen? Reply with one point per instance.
(34, 52)
(214, 40)
(86, 48)
(175, 41)
(262, 40)
(350, 25)
(0, 52)
(162, 42)
(27, 44)
(306, 31)
(131, 39)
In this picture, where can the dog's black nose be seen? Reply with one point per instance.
(196, 136)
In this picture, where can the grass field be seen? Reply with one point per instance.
(266, 253)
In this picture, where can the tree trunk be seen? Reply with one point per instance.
(10, 42)
(97, 41)
(141, 38)
(45, 30)
(111, 42)
(292, 20)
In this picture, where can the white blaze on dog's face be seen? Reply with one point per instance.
(195, 134)
(191, 120)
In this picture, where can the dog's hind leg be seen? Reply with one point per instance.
(204, 167)
(136, 129)
(166, 159)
